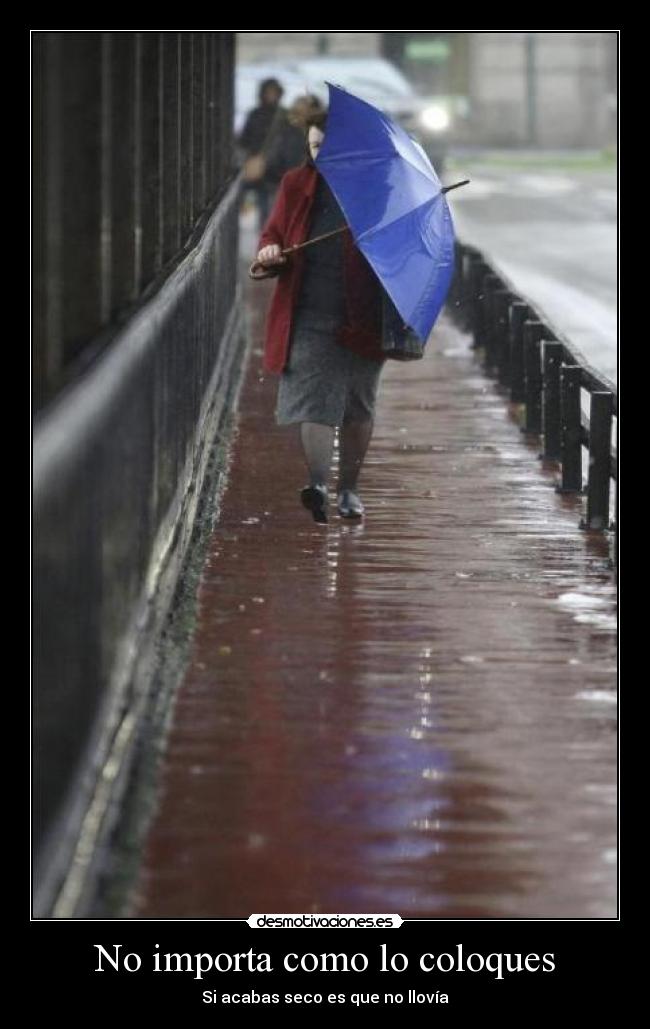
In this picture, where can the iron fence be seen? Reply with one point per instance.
(132, 143)
(546, 375)
(138, 342)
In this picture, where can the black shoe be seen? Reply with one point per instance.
(314, 498)
(349, 504)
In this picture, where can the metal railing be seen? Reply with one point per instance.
(132, 144)
(129, 403)
(544, 373)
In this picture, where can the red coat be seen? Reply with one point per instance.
(288, 224)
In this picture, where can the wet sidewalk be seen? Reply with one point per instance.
(412, 715)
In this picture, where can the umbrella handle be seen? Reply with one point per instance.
(259, 271)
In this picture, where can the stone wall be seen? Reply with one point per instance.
(273, 46)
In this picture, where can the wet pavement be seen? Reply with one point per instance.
(412, 715)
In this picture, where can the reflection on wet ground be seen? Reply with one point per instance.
(415, 714)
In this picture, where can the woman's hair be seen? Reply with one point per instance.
(317, 120)
(302, 108)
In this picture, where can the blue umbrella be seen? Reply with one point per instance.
(394, 204)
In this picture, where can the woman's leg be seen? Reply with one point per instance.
(318, 447)
(354, 438)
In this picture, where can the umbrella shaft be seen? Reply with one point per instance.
(328, 235)
(316, 239)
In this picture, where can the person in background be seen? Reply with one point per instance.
(286, 149)
(257, 134)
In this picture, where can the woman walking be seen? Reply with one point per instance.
(323, 333)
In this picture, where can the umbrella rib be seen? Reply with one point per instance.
(364, 237)
(429, 200)
(375, 229)
(417, 167)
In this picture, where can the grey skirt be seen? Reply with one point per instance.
(323, 381)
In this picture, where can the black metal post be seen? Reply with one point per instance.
(615, 525)
(459, 283)
(455, 288)
(551, 416)
(471, 277)
(532, 335)
(570, 376)
(502, 300)
(600, 432)
(211, 141)
(519, 313)
(481, 271)
(150, 178)
(171, 144)
(491, 284)
(187, 133)
(81, 68)
(138, 169)
(199, 121)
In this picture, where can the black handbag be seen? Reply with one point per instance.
(398, 341)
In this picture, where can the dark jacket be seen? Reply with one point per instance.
(258, 126)
(286, 150)
(288, 224)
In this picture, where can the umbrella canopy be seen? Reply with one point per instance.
(393, 202)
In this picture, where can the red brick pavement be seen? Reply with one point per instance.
(415, 714)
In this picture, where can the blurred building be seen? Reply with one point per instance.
(546, 89)
(274, 46)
